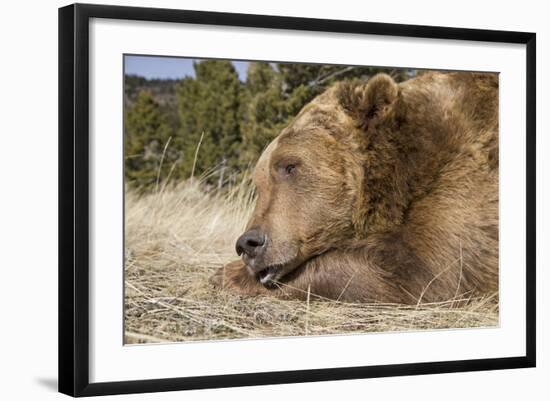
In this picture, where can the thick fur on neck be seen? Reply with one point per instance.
(407, 137)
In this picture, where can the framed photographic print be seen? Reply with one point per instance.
(250, 199)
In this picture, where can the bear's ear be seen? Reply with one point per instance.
(366, 102)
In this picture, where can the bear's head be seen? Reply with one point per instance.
(324, 181)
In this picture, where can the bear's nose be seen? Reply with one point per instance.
(250, 242)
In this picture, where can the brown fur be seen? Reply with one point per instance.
(394, 197)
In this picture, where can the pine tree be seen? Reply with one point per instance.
(209, 108)
(264, 111)
(146, 134)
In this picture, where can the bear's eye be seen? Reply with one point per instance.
(287, 170)
(290, 169)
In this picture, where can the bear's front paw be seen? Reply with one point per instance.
(235, 277)
(222, 277)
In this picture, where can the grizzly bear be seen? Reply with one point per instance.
(378, 192)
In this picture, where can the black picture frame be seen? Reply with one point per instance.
(74, 201)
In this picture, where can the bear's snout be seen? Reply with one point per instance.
(252, 243)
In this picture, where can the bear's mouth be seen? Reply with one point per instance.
(268, 276)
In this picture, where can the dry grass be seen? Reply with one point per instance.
(177, 237)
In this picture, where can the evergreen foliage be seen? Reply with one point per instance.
(146, 134)
(209, 107)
